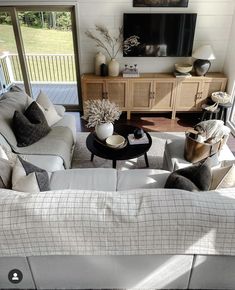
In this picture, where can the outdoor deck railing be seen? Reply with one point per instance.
(42, 68)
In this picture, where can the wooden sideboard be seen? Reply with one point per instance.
(154, 92)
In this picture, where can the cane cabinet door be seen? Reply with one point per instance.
(189, 92)
(141, 94)
(164, 94)
(93, 89)
(117, 92)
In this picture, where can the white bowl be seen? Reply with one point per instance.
(183, 67)
(115, 141)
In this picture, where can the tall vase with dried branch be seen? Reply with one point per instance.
(112, 45)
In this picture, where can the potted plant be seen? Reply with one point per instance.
(112, 45)
(101, 114)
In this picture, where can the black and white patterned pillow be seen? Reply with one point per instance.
(30, 126)
(27, 177)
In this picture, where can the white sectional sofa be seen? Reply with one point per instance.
(205, 263)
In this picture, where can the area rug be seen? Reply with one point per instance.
(81, 157)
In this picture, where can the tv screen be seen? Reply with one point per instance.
(168, 34)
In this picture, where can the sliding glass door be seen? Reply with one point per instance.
(10, 71)
(48, 42)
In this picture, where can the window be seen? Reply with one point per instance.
(45, 56)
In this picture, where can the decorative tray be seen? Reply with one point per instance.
(103, 143)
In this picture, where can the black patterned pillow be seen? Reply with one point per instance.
(27, 177)
(30, 126)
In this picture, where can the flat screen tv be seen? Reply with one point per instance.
(162, 34)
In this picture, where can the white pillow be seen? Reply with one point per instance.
(223, 177)
(48, 109)
(27, 177)
(21, 181)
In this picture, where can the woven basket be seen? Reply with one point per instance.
(220, 97)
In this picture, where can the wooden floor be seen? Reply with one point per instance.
(63, 94)
(157, 123)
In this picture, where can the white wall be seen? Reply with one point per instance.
(229, 64)
(213, 27)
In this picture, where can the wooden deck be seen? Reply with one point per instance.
(63, 94)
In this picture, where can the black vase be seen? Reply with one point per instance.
(201, 66)
(103, 70)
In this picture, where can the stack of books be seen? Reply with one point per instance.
(133, 141)
(182, 75)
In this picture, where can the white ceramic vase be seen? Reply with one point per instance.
(104, 130)
(99, 59)
(113, 68)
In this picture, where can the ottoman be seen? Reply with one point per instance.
(173, 158)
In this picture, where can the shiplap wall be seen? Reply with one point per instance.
(213, 27)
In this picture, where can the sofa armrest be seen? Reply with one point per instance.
(60, 110)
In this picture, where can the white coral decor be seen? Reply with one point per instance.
(97, 112)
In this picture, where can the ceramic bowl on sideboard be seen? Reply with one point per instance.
(183, 67)
(115, 141)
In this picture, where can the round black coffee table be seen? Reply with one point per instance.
(129, 152)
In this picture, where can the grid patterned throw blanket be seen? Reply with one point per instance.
(159, 221)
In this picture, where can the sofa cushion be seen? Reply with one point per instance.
(85, 179)
(30, 126)
(193, 178)
(48, 109)
(27, 177)
(141, 178)
(68, 121)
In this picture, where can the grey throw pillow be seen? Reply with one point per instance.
(30, 126)
(193, 178)
(5, 173)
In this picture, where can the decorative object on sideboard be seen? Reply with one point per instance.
(101, 114)
(103, 70)
(99, 60)
(112, 44)
(203, 55)
(130, 71)
(183, 68)
(113, 68)
(160, 3)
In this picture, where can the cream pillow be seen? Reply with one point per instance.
(223, 177)
(48, 109)
(27, 177)
(21, 181)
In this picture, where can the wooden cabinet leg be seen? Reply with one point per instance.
(173, 115)
(128, 115)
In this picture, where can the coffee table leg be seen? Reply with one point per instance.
(114, 163)
(92, 156)
(146, 159)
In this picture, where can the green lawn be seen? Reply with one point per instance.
(37, 40)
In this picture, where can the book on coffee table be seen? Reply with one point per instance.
(133, 141)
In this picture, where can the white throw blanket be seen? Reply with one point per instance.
(159, 221)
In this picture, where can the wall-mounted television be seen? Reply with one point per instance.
(160, 34)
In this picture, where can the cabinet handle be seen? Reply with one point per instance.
(199, 95)
(151, 95)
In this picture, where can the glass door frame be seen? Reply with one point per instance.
(231, 120)
(13, 10)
